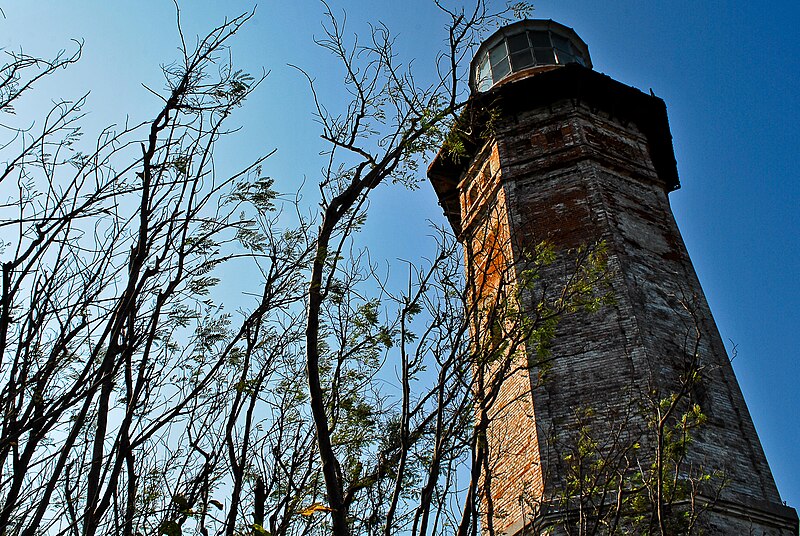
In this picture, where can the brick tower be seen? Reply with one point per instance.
(641, 388)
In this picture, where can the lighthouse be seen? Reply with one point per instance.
(632, 420)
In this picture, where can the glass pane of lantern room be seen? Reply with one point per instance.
(521, 60)
(564, 57)
(561, 43)
(499, 60)
(499, 70)
(540, 39)
(483, 76)
(518, 42)
(545, 56)
(497, 54)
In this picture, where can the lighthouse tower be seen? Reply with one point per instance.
(634, 420)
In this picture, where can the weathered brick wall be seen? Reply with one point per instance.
(513, 461)
(573, 176)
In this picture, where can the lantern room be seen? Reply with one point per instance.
(526, 46)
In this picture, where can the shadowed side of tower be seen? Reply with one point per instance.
(574, 158)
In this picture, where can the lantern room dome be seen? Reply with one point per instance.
(528, 45)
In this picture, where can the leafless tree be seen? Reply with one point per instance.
(127, 393)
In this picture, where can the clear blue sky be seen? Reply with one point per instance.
(728, 71)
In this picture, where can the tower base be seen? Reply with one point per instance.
(745, 517)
